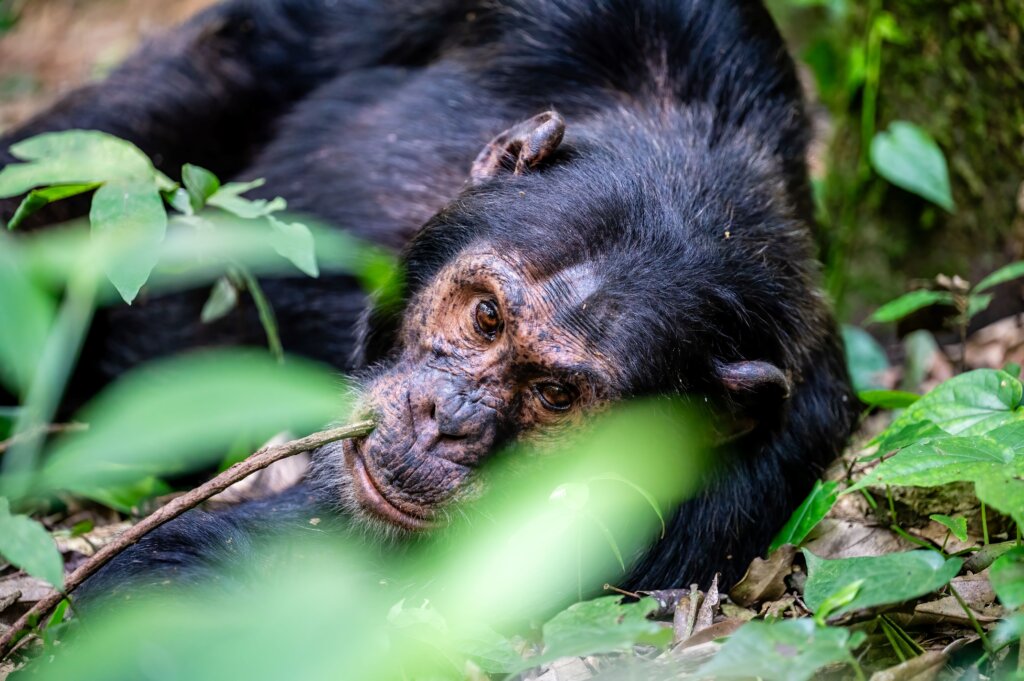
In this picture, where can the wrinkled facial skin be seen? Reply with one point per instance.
(482, 362)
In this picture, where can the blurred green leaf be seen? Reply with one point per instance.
(26, 544)
(128, 498)
(1004, 274)
(130, 215)
(978, 303)
(40, 198)
(223, 298)
(892, 578)
(200, 184)
(177, 414)
(602, 625)
(229, 198)
(73, 157)
(865, 358)
(1007, 578)
(899, 308)
(839, 599)
(807, 516)
(956, 525)
(907, 156)
(888, 399)
(294, 241)
(26, 315)
(791, 650)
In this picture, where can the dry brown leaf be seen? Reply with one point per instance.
(924, 667)
(765, 578)
(845, 539)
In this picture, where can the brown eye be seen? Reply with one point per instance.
(555, 397)
(487, 320)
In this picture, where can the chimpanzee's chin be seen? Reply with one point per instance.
(374, 497)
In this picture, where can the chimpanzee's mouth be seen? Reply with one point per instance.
(372, 499)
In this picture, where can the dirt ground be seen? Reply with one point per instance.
(59, 44)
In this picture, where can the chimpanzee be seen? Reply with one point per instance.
(595, 200)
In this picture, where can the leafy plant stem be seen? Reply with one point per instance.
(970, 616)
(266, 313)
(890, 636)
(984, 525)
(55, 364)
(914, 540)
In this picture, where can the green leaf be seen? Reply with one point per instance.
(229, 198)
(897, 309)
(73, 157)
(1014, 270)
(938, 461)
(26, 544)
(127, 498)
(978, 303)
(807, 516)
(865, 358)
(971, 403)
(131, 216)
(200, 184)
(1007, 578)
(957, 525)
(839, 599)
(294, 241)
(40, 198)
(491, 651)
(601, 625)
(174, 415)
(791, 650)
(223, 298)
(26, 314)
(888, 579)
(907, 156)
(888, 399)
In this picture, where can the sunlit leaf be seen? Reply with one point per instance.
(130, 215)
(807, 516)
(888, 399)
(907, 156)
(73, 157)
(957, 525)
(26, 544)
(229, 198)
(294, 241)
(1004, 274)
(1007, 578)
(888, 579)
(791, 650)
(897, 309)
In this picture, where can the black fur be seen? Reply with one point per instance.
(681, 180)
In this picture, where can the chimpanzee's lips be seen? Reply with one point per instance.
(372, 499)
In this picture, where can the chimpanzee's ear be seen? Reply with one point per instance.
(520, 148)
(757, 392)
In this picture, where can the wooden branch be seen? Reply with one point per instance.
(172, 510)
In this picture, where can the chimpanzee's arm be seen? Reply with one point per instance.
(208, 91)
(203, 547)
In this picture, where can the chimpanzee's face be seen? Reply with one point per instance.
(487, 353)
